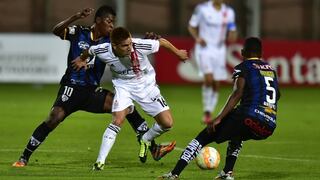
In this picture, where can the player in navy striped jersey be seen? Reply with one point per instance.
(256, 87)
(80, 90)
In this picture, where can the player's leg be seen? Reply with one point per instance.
(205, 66)
(190, 152)
(155, 105)
(56, 115)
(219, 73)
(207, 97)
(164, 122)
(122, 105)
(233, 150)
(100, 101)
(39, 135)
(109, 137)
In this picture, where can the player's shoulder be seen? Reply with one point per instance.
(74, 29)
(202, 6)
(144, 44)
(241, 65)
(228, 8)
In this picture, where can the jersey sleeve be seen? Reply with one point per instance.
(70, 33)
(195, 18)
(239, 71)
(102, 51)
(146, 46)
(231, 20)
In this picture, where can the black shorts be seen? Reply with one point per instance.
(237, 126)
(73, 98)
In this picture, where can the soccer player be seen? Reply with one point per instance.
(210, 25)
(256, 87)
(80, 90)
(133, 78)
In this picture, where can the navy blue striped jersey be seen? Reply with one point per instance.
(80, 38)
(261, 92)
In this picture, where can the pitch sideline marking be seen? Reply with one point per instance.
(176, 149)
(263, 157)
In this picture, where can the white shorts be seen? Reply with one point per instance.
(152, 103)
(212, 61)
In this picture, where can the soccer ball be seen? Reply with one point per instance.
(208, 158)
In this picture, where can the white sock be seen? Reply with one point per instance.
(214, 100)
(154, 132)
(207, 98)
(108, 139)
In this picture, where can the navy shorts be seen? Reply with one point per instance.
(236, 126)
(73, 98)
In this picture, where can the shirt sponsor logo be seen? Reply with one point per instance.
(268, 118)
(257, 127)
(83, 45)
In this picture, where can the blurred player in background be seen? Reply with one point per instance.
(210, 25)
(256, 87)
(79, 90)
(133, 78)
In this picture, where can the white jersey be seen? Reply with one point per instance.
(123, 74)
(133, 81)
(213, 24)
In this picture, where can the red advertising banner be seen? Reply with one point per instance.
(297, 62)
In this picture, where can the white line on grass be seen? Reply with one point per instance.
(176, 149)
(264, 157)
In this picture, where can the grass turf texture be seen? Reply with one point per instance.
(69, 152)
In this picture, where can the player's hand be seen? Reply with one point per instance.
(212, 126)
(201, 41)
(78, 63)
(151, 35)
(85, 13)
(183, 55)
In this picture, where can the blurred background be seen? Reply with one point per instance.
(290, 29)
(33, 60)
(271, 19)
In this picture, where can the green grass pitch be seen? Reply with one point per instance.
(68, 153)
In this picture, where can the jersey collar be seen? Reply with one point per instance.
(253, 58)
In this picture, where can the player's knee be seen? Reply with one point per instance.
(167, 126)
(108, 101)
(165, 120)
(56, 116)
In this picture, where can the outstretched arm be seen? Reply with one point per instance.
(182, 54)
(58, 29)
(232, 101)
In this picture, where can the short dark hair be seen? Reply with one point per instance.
(119, 34)
(252, 44)
(252, 47)
(104, 11)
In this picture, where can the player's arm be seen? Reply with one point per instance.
(232, 28)
(181, 53)
(59, 29)
(194, 32)
(232, 36)
(81, 61)
(232, 101)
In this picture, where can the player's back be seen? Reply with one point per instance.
(261, 91)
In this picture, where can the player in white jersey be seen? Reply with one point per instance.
(133, 78)
(211, 24)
